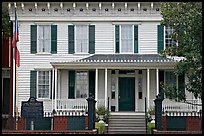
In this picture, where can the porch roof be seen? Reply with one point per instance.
(119, 60)
(122, 58)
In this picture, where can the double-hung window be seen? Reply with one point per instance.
(81, 84)
(82, 39)
(170, 78)
(168, 39)
(43, 84)
(44, 38)
(126, 39)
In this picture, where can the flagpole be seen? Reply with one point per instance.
(15, 122)
(16, 97)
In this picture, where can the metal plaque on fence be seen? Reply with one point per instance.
(32, 108)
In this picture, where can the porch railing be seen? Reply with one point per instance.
(75, 104)
(72, 104)
(168, 105)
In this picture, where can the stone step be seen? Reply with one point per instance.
(125, 116)
(126, 132)
(128, 125)
(126, 121)
(127, 128)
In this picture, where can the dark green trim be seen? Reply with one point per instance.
(117, 39)
(71, 39)
(33, 83)
(71, 84)
(135, 38)
(181, 84)
(160, 37)
(33, 39)
(53, 39)
(92, 39)
(161, 79)
(92, 83)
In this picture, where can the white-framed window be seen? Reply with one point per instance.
(43, 84)
(126, 39)
(82, 39)
(44, 38)
(81, 84)
(168, 40)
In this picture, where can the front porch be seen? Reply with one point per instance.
(115, 81)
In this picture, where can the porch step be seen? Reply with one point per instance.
(127, 123)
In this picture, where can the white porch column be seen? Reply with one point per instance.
(147, 88)
(96, 87)
(106, 88)
(157, 80)
(55, 88)
(53, 74)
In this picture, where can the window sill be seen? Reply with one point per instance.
(44, 99)
(82, 53)
(44, 53)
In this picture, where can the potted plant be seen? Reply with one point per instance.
(151, 111)
(102, 114)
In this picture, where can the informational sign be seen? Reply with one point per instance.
(32, 108)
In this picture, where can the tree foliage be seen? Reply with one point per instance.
(186, 19)
(6, 23)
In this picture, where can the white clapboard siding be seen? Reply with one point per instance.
(152, 91)
(148, 38)
(64, 84)
(104, 38)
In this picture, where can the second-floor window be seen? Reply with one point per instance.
(168, 39)
(44, 38)
(81, 39)
(126, 38)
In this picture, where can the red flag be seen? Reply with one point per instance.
(17, 57)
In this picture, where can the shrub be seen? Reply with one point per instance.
(150, 127)
(101, 110)
(100, 127)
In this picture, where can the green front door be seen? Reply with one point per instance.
(126, 94)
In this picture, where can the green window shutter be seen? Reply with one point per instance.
(161, 79)
(53, 38)
(135, 39)
(117, 39)
(181, 84)
(71, 39)
(33, 83)
(91, 39)
(71, 84)
(160, 36)
(33, 38)
(92, 83)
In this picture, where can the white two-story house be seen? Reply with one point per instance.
(70, 51)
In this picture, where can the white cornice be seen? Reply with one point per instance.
(90, 19)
